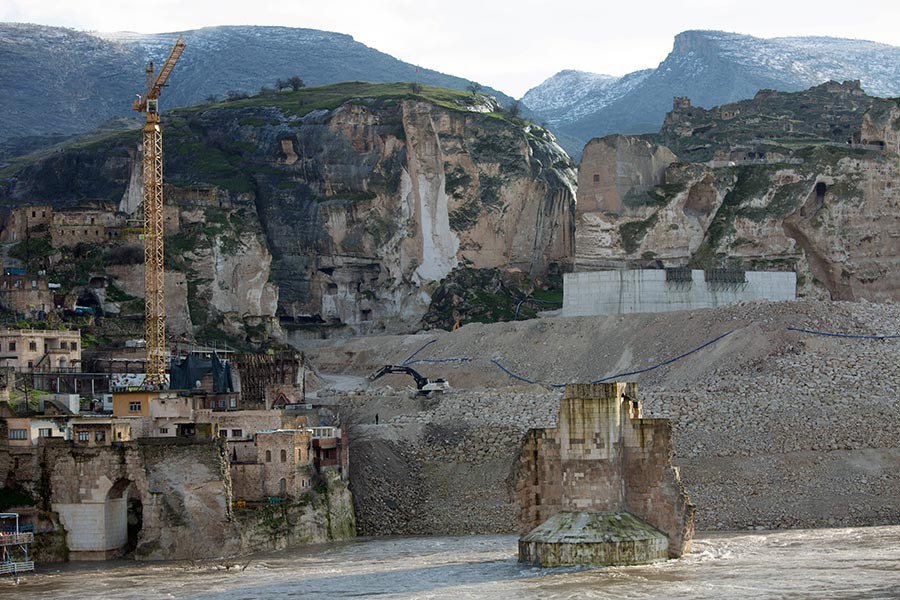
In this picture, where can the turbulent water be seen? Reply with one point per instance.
(825, 563)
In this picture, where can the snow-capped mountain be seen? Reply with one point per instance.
(711, 68)
(57, 80)
(570, 95)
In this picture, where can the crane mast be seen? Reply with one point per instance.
(154, 271)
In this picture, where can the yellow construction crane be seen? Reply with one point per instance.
(154, 272)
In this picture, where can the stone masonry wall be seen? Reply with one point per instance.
(184, 492)
(602, 456)
(575, 466)
(648, 462)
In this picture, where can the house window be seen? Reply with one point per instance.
(134, 407)
(232, 403)
(33, 284)
(63, 345)
(74, 345)
(163, 430)
(596, 178)
(84, 436)
(32, 346)
(284, 456)
(45, 432)
(100, 436)
(268, 456)
(12, 346)
(18, 434)
(30, 364)
(236, 433)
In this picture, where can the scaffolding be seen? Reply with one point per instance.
(14, 546)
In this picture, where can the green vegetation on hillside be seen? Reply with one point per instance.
(328, 97)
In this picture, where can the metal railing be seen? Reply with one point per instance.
(10, 539)
(16, 567)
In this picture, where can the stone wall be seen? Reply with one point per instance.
(183, 488)
(616, 167)
(602, 457)
(646, 290)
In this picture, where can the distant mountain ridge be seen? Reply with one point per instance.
(62, 81)
(711, 68)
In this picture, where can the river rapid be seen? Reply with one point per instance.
(798, 564)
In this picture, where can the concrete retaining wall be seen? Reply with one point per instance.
(634, 291)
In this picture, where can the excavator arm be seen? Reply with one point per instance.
(421, 382)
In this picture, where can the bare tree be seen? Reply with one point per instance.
(474, 87)
(296, 83)
(352, 421)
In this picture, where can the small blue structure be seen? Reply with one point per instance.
(14, 543)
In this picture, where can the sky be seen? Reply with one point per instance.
(510, 45)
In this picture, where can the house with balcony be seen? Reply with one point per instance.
(41, 350)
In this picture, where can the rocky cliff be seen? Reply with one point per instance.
(335, 209)
(780, 192)
(710, 68)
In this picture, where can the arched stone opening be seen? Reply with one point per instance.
(124, 517)
(821, 188)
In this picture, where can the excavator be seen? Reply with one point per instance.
(424, 386)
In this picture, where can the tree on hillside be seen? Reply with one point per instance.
(514, 109)
(296, 83)
(474, 87)
(212, 99)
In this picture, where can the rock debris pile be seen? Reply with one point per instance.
(773, 428)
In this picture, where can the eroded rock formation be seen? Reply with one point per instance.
(339, 219)
(829, 210)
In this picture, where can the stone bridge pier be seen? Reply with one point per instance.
(159, 500)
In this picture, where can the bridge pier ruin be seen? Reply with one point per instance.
(600, 487)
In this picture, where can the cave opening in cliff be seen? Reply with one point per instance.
(821, 188)
(89, 299)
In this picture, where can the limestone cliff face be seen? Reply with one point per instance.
(392, 196)
(831, 213)
(341, 218)
(321, 516)
(616, 174)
